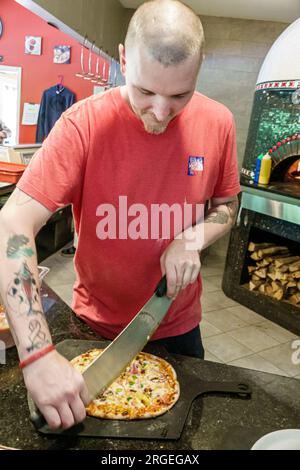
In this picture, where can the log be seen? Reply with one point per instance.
(289, 260)
(269, 290)
(271, 259)
(272, 250)
(253, 285)
(294, 266)
(295, 298)
(261, 273)
(272, 275)
(258, 246)
(255, 278)
(296, 275)
(291, 284)
(278, 295)
(264, 262)
(251, 268)
(279, 276)
(275, 286)
(262, 288)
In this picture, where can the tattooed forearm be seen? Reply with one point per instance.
(37, 337)
(23, 293)
(22, 296)
(16, 247)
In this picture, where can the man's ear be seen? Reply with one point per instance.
(122, 59)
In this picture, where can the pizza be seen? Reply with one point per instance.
(148, 387)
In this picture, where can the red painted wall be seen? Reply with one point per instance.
(38, 72)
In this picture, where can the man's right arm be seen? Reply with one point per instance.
(58, 390)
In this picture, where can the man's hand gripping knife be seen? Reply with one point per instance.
(181, 260)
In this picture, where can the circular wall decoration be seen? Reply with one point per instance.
(1, 27)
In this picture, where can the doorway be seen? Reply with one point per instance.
(10, 98)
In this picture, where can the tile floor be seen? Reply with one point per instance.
(232, 333)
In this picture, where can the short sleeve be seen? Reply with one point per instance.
(54, 175)
(228, 180)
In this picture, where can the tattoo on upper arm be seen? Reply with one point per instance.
(16, 247)
(220, 216)
(232, 207)
(217, 217)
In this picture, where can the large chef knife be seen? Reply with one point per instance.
(119, 353)
(114, 359)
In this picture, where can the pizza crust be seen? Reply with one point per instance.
(147, 388)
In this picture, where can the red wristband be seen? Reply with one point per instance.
(36, 356)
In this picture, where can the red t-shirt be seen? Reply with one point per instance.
(97, 151)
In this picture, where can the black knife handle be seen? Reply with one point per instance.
(36, 416)
(161, 288)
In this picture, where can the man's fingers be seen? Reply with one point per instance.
(187, 276)
(78, 409)
(195, 274)
(66, 416)
(171, 280)
(84, 395)
(52, 417)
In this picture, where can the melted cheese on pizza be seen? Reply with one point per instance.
(148, 387)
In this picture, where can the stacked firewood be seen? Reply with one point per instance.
(276, 271)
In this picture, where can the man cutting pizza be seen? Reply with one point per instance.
(154, 142)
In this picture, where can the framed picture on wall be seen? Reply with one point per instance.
(33, 45)
(62, 54)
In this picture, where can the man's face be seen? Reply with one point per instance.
(157, 93)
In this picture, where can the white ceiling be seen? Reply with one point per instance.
(285, 11)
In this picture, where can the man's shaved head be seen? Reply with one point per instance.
(169, 30)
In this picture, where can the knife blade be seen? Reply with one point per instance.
(118, 354)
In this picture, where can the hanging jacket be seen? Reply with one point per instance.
(54, 102)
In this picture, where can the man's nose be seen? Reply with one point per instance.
(161, 110)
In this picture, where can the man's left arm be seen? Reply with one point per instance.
(181, 260)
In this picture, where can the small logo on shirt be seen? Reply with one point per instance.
(195, 165)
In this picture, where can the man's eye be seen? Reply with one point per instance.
(145, 92)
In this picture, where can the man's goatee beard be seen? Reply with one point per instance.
(154, 130)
